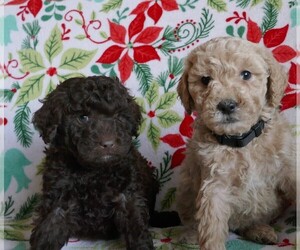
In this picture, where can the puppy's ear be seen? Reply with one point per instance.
(47, 119)
(184, 94)
(136, 115)
(277, 81)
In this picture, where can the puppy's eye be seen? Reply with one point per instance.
(120, 119)
(205, 80)
(83, 118)
(246, 75)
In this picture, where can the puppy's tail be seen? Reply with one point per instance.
(164, 219)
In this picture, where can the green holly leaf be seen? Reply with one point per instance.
(62, 78)
(230, 30)
(142, 126)
(152, 94)
(168, 199)
(95, 70)
(256, 2)
(74, 59)
(12, 235)
(58, 17)
(93, 15)
(241, 31)
(31, 89)
(80, 37)
(49, 8)
(153, 135)
(45, 18)
(51, 86)
(141, 102)
(167, 100)
(31, 60)
(168, 118)
(218, 5)
(276, 3)
(111, 5)
(79, 6)
(53, 45)
(103, 35)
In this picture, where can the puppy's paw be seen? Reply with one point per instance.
(189, 236)
(263, 234)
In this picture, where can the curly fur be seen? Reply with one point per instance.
(223, 188)
(95, 183)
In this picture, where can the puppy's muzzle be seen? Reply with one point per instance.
(106, 144)
(227, 106)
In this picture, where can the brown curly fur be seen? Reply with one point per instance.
(222, 188)
(95, 183)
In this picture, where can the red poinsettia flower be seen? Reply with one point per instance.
(177, 140)
(126, 44)
(155, 11)
(272, 38)
(292, 92)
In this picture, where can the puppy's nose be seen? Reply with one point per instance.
(227, 106)
(107, 144)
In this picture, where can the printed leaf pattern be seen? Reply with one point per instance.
(168, 118)
(153, 135)
(144, 44)
(219, 5)
(31, 60)
(31, 89)
(75, 59)
(22, 125)
(168, 199)
(53, 45)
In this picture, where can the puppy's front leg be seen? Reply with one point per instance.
(51, 232)
(132, 220)
(213, 203)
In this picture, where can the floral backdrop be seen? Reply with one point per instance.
(144, 43)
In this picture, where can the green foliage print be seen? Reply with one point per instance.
(32, 30)
(221, 5)
(32, 61)
(14, 228)
(53, 9)
(163, 173)
(39, 65)
(168, 199)
(168, 79)
(269, 20)
(111, 5)
(157, 106)
(270, 17)
(6, 95)
(22, 125)
(181, 37)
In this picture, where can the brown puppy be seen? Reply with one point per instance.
(240, 166)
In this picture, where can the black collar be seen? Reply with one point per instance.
(239, 141)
